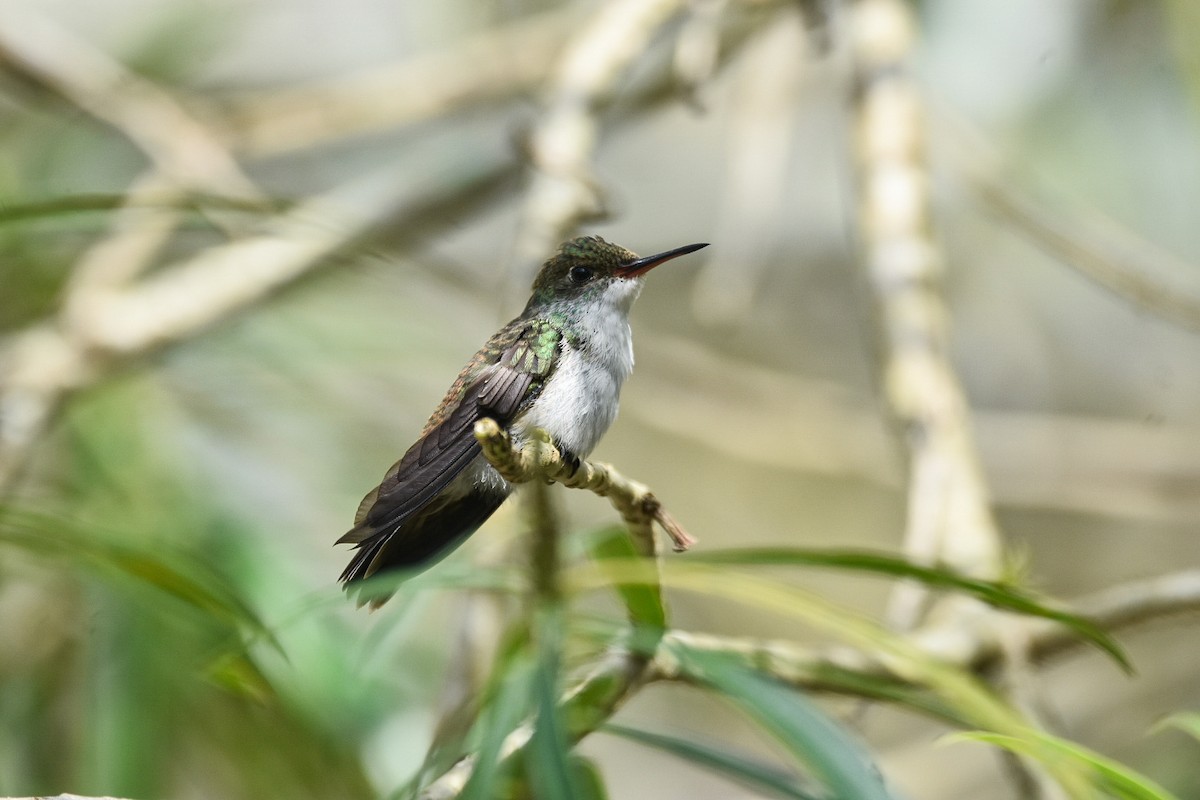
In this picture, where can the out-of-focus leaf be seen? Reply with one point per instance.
(1109, 777)
(548, 758)
(834, 759)
(1184, 31)
(78, 203)
(510, 704)
(467, 729)
(961, 693)
(172, 572)
(414, 580)
(588, 780)
(239, 674)
(1186, 721)
(832, 678)
(750, 772)
(1000, 595)
(644, 601)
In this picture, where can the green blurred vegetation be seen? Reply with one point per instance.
(172, 627)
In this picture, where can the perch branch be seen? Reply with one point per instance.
(597, 697)
(635, 502)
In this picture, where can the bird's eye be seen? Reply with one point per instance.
(580, 275)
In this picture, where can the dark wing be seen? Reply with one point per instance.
(522, 356)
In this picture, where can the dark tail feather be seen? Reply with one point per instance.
(420, 541)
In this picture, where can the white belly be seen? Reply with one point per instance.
(579, 400)
(576, 407)
(577, 404)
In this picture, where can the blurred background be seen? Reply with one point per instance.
(391, 138)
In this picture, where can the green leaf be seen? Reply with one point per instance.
(509, 706)
(954, 688)
(755, 775)
(547, 759)
(237, 673)
(588, 780)
(835, 759)
(485, 579)
(644, 601)
(1186, 721)
(1112, 778)
(868, 686)
(175, 573)
(999, 595)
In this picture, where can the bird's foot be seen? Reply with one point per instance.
(572, 462)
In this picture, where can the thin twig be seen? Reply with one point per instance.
(1099, 248)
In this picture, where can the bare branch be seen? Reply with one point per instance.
(145, 113)
(562, 192)
(949, 519)
(110, 326)
(416, 89)
(975, 643)
(1097, 247)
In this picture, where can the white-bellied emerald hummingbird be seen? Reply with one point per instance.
(559, 367)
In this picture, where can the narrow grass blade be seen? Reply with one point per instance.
(1186, 721)
(759, 777)
(999, 595)
(830, 754)
(510, 705)
(1109, 777)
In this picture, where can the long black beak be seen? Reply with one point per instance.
(643, 265)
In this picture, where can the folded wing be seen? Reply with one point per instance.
(387, 530)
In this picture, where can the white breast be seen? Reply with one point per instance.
(579, 400)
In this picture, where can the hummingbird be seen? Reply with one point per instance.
(558, 367)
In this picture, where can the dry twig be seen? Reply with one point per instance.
(1098, 248)
(111, 326)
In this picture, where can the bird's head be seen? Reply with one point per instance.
(589, 270)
